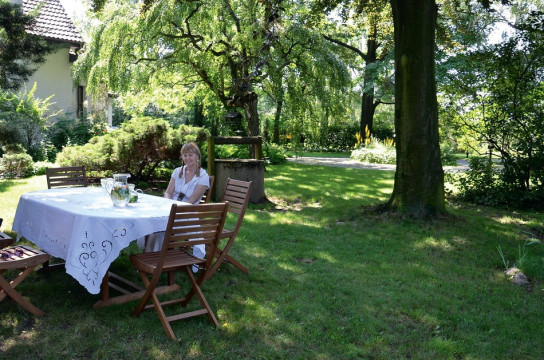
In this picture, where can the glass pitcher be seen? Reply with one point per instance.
(134, 193)
(120, 192)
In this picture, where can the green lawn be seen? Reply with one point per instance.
(291, 153)
(328, 280)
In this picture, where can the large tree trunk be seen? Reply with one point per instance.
(252, 117)
(277, 117)
(419, 178)
(367, 105)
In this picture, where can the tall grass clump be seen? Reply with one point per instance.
(376, 152)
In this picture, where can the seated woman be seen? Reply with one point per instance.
(188, 183)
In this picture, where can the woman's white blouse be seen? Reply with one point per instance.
(189, 188)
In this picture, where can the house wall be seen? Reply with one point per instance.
(54, 77)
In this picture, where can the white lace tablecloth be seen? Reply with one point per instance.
(83, 227)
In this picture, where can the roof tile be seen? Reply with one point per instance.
(52, 21)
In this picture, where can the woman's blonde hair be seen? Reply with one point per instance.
(191, 147)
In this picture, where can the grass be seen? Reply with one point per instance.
(292, 153)
(328, 279)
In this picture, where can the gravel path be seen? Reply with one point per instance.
(349, 163)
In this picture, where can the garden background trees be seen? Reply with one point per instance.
(370, 23)
(496, 101)
(230, 52)
(167, 52)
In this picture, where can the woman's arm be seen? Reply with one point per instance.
(169, 193)
(197, 194)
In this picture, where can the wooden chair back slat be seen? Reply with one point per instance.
(68, 176)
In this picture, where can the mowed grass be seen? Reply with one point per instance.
(329, 279)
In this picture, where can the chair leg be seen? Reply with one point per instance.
(162, 316)
(201, 297)
(8, 289)
(221, 256)
(145, 297)
(236, 264)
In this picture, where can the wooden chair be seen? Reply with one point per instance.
(23, 258)
(208, 194)
(68, 176)
(188, 225)
(237, 194)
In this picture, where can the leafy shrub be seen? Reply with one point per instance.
(68, 131)
(40, 166)
(139, 147)
(342, 138)
(16, 163)
(232, 151)
(275, 153)
(479, 184)
(484, 184)
(23, 120)
(376, 152)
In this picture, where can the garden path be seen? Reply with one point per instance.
(350, 163)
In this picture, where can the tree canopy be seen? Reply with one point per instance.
(229, 51)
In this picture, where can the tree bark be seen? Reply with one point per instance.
(419, 177)
(277, 116)
(252, 118)
(367, 104)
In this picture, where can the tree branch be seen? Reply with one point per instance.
(347, 46)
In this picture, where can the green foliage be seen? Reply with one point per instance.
(139, 147)
(68, 131)
(227, 55)
(484, 184)
(479, 183)
(23, 120)
(340, 137)
(448, 154)
(40, 166)
(15, 162)
(276, 154)
(232, 151)
(496, 101)
(376, 152)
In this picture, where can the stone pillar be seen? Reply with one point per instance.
(240, 169)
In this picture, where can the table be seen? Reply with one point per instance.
(83, 227)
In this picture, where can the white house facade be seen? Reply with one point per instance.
(54, 76)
